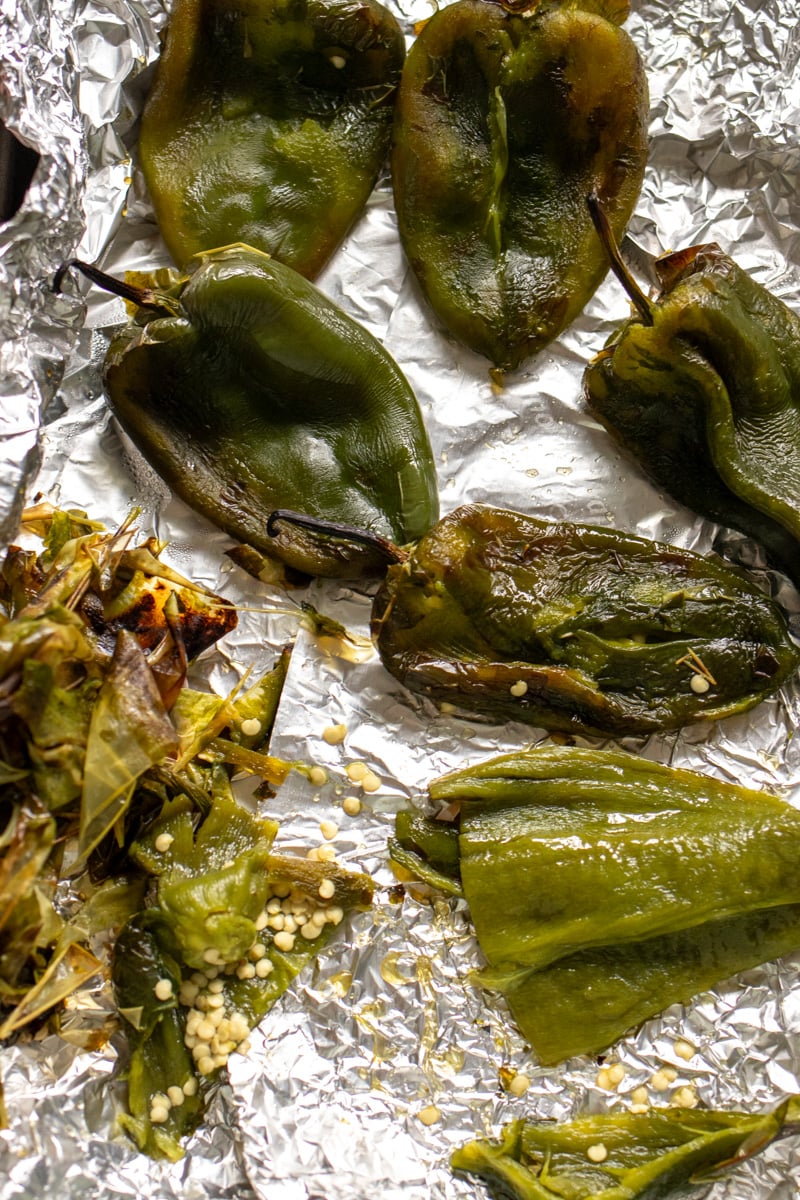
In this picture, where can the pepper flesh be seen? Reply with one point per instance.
(647, 1156)
(268, 123)
(706, 397)
(505, 121)
(576, 628)
(248, 390)
(604, 887)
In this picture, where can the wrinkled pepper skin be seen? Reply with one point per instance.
(268, 123)
(248, 390)
(604, 887)
(707, 398)
(576, 628)
(505, 121)
(655, 1155)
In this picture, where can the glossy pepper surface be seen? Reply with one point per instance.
(655, 1155)
(247, 390)
(576, 628)
(702, 386)
(604, 887)
(268, 123)
(507, 117)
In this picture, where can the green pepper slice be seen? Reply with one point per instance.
(576, 628)
(268, 123)
(702, 387)
(507, 117)
(621, 1156)
(604, 887)
(248, 390)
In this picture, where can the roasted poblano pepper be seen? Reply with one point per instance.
(576, 628)
(508, 115)
(702, 386)
(667, 1152)
(268, 123)
(247, 390)
(604, 887)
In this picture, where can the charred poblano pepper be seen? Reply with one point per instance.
(576, 628)
(604, 887)
(702, 386)
(664, 1153)
(268, 123)
(508, 115)
(247, 389)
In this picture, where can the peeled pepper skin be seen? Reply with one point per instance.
(505, 122)
(604, 887)
(707, 398)
(596, 631)
(250, 391)
(666, 1152)
(268, 123)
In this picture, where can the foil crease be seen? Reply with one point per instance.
(383, 1057)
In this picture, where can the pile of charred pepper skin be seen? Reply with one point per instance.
(117, 785)
(272, 413)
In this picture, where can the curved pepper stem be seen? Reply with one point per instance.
(143, 297)
(606, 235)
(349, 533)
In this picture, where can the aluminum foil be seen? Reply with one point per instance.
(383, 1057)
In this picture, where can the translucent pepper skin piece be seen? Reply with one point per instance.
(505, 122)
(576, 628)
(707, 398)
(656, 1155)
(248, 390)
(268, 123)
(604, 887)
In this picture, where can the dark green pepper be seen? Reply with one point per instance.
(702, 386)
(508, 115)
(247, 389)
(576, 628)
(268, 123)
(604, 887)
(621, 1156)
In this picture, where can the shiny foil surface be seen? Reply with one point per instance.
(382, 1057)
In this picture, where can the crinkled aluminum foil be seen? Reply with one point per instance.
(385, 1032)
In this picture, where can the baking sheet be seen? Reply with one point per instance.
(333, 1098)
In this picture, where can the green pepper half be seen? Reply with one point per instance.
(268, 123)
(621, 1156)
(702, 387)
(604, 887)
(248, 390)
(576, 628)
(508, 116)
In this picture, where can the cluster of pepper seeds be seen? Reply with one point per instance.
(212, 1034)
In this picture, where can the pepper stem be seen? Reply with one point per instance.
(350, 533)
(144, 297)
(606, 235)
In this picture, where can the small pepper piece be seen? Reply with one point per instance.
(248, 390)
(603, 887)
(268, 123)
(576, 628)
(702, 387)
(648, 1156)
(508, 115)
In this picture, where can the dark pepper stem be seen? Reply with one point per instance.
(351, 533)
(606, 235)
(144, 297)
